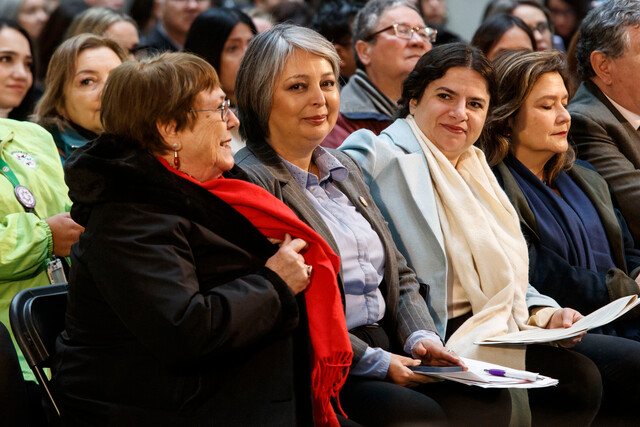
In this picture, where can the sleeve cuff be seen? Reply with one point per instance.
(417, 336)
(47, 230)
(374, 364)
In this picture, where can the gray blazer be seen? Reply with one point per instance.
(396, 170)
(406, 310)
(610, 143)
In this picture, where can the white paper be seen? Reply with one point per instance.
(600, 317)
(477, 376)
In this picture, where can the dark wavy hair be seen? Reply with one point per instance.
(434, 65)
(22, 111)
(491, 31)
(210, 30)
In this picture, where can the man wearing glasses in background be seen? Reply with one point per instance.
(389, 37)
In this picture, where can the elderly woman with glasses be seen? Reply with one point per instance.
(288, 101)
(181, 311)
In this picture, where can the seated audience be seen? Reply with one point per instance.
(107, 22)
(180, 309)
(580, 248)
(566, 16)
(389, 37)
(29, 14)
(53, 34)
(16, 71)
(434, 13)
(70, 106)
(535, 15)
(34, 226)
(292, 12)
(459, 231)
(580, 251)
(334, 20)
(606, 108)
(221, 36)
(175, 18)
(288, 101)
(144, 13)
(503, 32)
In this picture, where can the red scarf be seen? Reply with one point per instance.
(332, 351)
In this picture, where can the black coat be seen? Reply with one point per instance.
(172, 317)
(576, 287)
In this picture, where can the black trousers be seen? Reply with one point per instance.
(20, 400)
(618, 360)
(379, 403)
(575, 400)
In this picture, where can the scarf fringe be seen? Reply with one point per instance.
(328, 376)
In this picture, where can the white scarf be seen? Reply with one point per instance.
(485, 248)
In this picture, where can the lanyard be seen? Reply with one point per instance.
(22, 193)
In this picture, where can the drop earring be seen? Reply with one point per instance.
(176, 159)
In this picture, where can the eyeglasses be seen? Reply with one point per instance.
(540, 27)
(404, 31)
(224, 110)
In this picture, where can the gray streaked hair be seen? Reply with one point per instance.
(604, 29)
(96, 20)
(262, 65)
(366, 21)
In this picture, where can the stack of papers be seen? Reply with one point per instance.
(600, 317)
(477, 375)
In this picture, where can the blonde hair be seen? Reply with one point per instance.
(61, 70)
(161, 88)
(96, 20)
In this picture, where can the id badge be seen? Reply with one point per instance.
(55, 271)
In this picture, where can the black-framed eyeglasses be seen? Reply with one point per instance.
(404, 31)
(540, 27)
(224, 110)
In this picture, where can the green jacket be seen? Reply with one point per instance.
(25, 238)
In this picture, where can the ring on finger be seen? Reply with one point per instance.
(309, 270)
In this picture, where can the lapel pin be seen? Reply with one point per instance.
(363, 201)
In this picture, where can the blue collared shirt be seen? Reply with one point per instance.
(361, 255)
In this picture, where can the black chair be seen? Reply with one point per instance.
(37, 318)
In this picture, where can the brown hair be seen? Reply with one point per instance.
(161, 88)
(61, 70)
(517, 73)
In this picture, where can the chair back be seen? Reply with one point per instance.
(37, 317)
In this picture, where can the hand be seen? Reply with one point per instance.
(564, 318)
(399, 374)
(432, 353)
(289, 264)
(64, 232)
(638, 280)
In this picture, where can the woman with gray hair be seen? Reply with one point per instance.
(287, 98)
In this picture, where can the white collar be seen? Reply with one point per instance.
(632, 118)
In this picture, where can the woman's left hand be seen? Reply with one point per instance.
(432, 353)
(564, 318)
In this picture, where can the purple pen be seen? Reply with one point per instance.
(519, 375)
